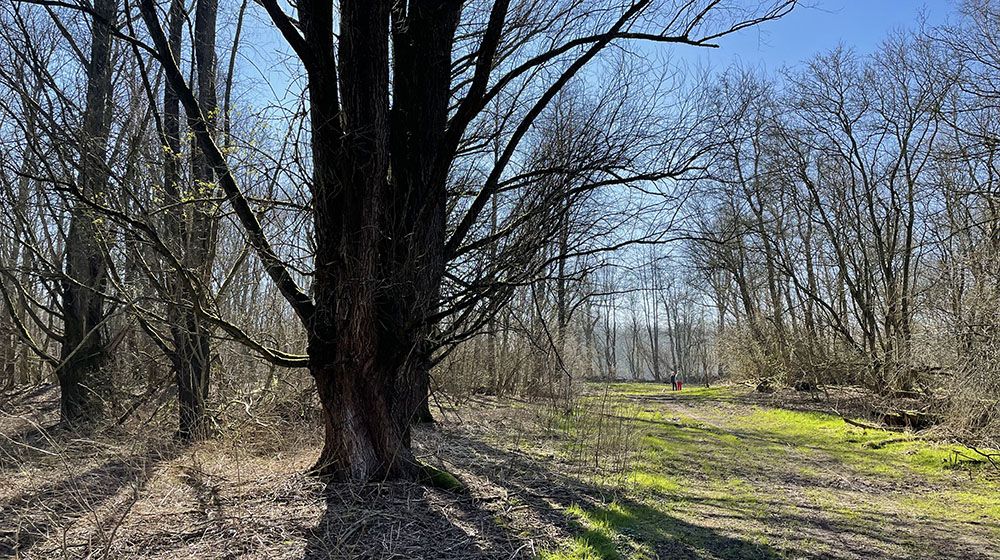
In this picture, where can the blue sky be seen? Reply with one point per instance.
(818, 26)
(815, 26)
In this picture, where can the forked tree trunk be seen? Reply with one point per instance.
(379, 235)
(81, 377)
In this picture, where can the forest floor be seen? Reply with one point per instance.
(633, 471)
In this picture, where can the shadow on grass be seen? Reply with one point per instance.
(33, 516)
(743, 522)
(603, 525)
(408, 521)
(629, 529)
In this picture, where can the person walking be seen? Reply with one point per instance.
(673, 380)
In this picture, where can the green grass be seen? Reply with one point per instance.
(723, 458)
(631, 389)
(604, 533)
(640, 389)
(632, 530)
(962, 506)
(854, 447)
(654, 482)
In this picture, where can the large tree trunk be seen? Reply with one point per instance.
(81, 372)
(365, 436)
(379, 235)
(356, 371)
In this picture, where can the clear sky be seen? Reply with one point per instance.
(813, 27)
(817, 26)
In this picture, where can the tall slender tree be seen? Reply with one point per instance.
(81, 374)
(192, 335)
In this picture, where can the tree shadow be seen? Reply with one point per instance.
(43, 394)
(597, 521)
(37, 441)
(403, 520)
(33, 516)
(606, 524)
(521, 505)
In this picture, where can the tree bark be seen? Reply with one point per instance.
(81, 373)
(193, 340)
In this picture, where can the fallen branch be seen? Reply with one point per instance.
(887, 442)
(865, 426)
(991, 457)
(142, 399)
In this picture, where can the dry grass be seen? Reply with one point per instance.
(632, 472)
(124, 493)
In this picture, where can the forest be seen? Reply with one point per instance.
(502, 279)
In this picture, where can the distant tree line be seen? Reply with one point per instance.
(848, 229)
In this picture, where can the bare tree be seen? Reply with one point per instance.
(83, 356)
(381, 238)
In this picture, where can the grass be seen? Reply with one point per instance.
(602, 533)
(855, 448)
(639, 389)
(635, 471)
(633, 530)
(655, 482)
(695, 455)
(962, 506)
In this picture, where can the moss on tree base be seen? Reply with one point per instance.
(434, 477)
